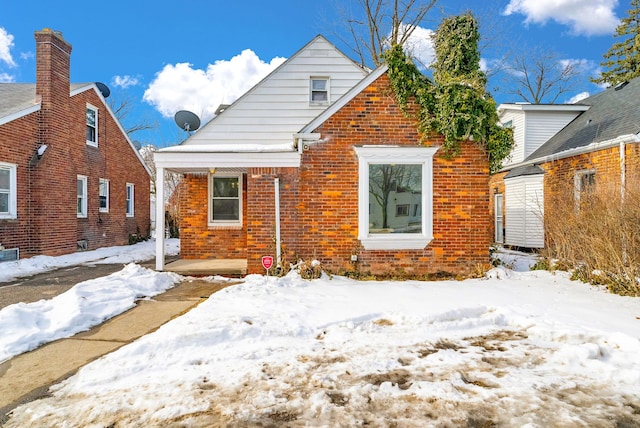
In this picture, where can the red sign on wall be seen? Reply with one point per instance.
(267, 262)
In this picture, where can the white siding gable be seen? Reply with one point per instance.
(524, 211)
(534, 124)
(279, 105)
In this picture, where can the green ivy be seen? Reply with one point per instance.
(456, 104)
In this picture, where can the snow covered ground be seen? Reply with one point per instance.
(519, 348)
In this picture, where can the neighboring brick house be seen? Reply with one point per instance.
(566, 149)
(315, 191)
(70, 178)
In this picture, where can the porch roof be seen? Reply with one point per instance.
(200, 158)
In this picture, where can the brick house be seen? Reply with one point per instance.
(563, 150)
(317, 189)
(70, 178)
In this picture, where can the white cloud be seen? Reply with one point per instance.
(6, 42)
(584, 17)
(124, 81)
(181, 87)
(6, 78)
(420, 46)
(578, 97)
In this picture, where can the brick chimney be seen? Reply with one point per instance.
(53, 65)
(51, 192)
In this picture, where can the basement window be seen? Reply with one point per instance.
(391, 180)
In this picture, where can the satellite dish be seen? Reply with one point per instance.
(187, 120)
(104, 89)
(137, 145)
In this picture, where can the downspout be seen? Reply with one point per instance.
(623, 170)
(623, 183)
(276, 182)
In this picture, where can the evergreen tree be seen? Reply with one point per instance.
(622, 60)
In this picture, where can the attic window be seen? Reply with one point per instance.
(508, 124)
(319, 90)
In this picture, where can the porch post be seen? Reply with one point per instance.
(160, 220)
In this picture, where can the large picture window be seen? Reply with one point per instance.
(225, 196)
(8, 192)
(395, 197)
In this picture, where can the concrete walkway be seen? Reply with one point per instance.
(28, 376)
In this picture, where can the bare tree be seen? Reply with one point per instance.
(380, 24)
(121, 106)
(540, 76)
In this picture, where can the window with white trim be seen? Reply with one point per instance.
(104, 195)
(319, 90)
(129, 200)
(81, 207)
(92, 125)
(8, 191)
(225, 199)
(392, 179)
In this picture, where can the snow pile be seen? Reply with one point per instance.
(25, 326)
(532, 349)
(141, 251)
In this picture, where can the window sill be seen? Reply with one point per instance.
(398, 241)
(227, 226)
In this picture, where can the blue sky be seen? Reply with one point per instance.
(167, 56)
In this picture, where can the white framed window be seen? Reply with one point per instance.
(92, 125)
(8, 191)
(104, 195)
(392, 179)
(129, 200)
(319, 90)
(225, 199)
(81, 207)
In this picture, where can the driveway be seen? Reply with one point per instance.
(49, 284)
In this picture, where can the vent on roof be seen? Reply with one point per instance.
(620, 85)
(9, 255)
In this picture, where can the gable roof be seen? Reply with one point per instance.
(278, 106)
(20, 99)
(612, 114)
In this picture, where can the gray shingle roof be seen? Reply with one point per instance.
(16, 97)
(612, 113)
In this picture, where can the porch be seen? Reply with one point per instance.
(207, 267)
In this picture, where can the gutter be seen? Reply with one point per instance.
(622, 139)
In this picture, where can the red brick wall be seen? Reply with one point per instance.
(47, 222)
(319, 201)
(197, 239)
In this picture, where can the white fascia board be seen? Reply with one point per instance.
(543, 107)
(190, 161)
(19, 114)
